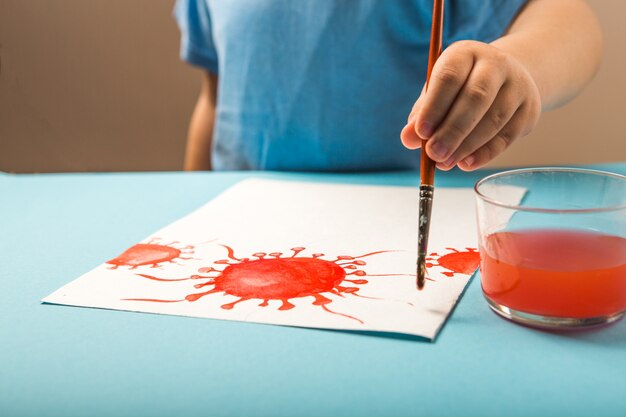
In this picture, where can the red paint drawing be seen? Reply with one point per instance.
(273, 277)
(270, 276)
(152, 253)
(455, 262)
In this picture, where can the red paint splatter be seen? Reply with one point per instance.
(273, 277)
(151, 253)
(456, 262)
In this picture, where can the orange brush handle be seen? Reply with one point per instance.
(427, 165)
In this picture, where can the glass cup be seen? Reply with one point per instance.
(553, 246)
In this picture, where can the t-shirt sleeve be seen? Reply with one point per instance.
(482, 20)
(196, 43)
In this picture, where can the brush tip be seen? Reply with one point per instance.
(421, 275)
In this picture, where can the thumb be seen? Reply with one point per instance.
(409, 136)
(417, 105)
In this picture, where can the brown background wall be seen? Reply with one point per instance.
(97, 86)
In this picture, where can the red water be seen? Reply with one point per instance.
(556, 272)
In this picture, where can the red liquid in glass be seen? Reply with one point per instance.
(555, 272)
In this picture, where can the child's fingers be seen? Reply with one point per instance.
(511, 131)
(501, 111)
(470, 106)
(448, 77)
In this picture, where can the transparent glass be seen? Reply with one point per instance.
(557, 257)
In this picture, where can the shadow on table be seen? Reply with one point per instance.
(609, 335)
(383, 335)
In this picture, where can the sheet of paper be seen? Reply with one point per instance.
(298, 254)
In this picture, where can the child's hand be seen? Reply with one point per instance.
(479, 100)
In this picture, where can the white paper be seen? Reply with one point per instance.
(265, 281)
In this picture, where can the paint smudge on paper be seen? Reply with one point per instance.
(455, 262)
(153, 253)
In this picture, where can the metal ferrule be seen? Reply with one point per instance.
(425, 208)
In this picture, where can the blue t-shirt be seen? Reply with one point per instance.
(321, 85)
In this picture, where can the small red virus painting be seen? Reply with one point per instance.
(272, 276)
(455, 262)
(153, 253)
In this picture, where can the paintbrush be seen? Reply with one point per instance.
(427, 165)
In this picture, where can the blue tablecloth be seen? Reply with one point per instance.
(62, 361)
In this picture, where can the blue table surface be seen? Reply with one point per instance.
(63, 361)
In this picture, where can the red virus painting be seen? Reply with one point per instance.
(153, 253)
(455, 262)
(271, 276)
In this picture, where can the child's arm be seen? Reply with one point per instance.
(200, 135)
(484, 96)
